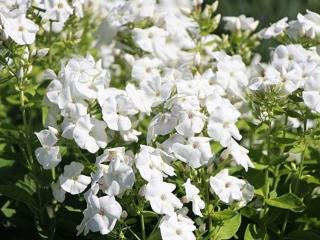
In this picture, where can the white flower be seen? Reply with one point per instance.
(192, 195)
(115, 111)
(139, 99)
(57, 10)
(47, 137)
(86, 76)
(275, 29)
(78, 7)
(153, 163)
(161, 124)
(145, 69)
(190, 122)
(20, 29)
(147, 38)
(13, 5)
(156, 90)
(221, 126)
(228, 188)
(160, 196)
(231, 73)
(58, 193)
(239, 154)
(306, 25)
(177, 227)
(111, 154)
(240, 23)
(48, 155)
(130, 135)
(89, 133)
(72, 181)
(311, 93)
(267, 76)
(101, 215)
(196, 153)
(118, 178)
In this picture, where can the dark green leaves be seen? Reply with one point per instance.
(253, 232)
(19, 195)
(287, 201)
(227, 224)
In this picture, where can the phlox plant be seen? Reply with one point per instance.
(152, 120)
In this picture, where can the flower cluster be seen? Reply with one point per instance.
(188, 108)
(160, 127)
(305, 26)
(292, 67)
(16, 25)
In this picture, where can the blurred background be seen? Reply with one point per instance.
(266, 11)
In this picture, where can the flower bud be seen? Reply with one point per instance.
(214, 6)
(20, 73)
(197, 59)
(25, 55)
(42, 52)
(124, 214)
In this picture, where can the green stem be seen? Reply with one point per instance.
(143, 229)
(30, 159)
(297, 182)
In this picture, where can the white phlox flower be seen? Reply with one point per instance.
(228, 188)
(72, 181)
(196, 153)
(48, 155)
(177, 226)
(153, 163)
(101, 215)
(118, 178)
(19, 28)
(192, 195)
(90, 133)
(160, 196)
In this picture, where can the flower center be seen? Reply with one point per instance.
(178, 232)
(60, 5)
(195, 145)
(163, 197)
(20, 28)
(227, 185)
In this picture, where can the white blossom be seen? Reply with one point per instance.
(192, 195)
(160, 196)
(72, 181)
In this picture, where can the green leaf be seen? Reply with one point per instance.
(72, 209)
(6, 163)
(287, 201)
(228, 227)
(294, 114)
(311, 179)
(19, 195)
(253, 232)
(223, 215)
(287, 141)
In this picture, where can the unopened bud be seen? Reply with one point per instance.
(214, 6)
(20, 73)
(42, 52)
(124, 214)
(25, 55)
(197, 59)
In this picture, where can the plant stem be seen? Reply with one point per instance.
(300, 170)
(143, 229)
(29, 151)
